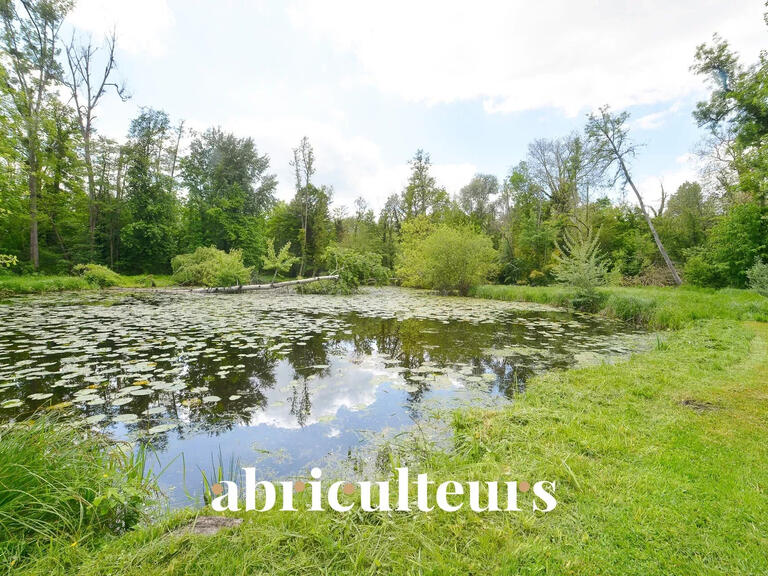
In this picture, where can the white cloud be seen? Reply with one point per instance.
(686, 170)
(523, 55)
(142, 26)
(655, 120)
(354, 164)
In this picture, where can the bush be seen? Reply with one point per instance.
(210, 267)
(699, 272)
(58, 480)
(98, 275)
(354, 269)
(448, 259)
(758, 277)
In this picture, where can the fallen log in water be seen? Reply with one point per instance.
(271, 286)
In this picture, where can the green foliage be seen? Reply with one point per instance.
(230, 190)
(758, 277)
(62, 481)
(445, 258)
(354, 268)
(98, 275)
(281, 262)
(209, 266)
(7, 261)
(581, 265)
(733, 246)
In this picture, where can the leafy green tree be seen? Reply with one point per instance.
(422, 196)
(685, 222)
(476, 199)
(280, 262)
(230, 191)
(150, 239)
(30, 43)
(310, 206)
(736, 114)
(735, 243)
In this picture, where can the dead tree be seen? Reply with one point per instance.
(612, 145)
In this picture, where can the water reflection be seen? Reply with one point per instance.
(278, 379)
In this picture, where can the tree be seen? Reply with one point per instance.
(281, 261)
(30, 38)
(229, 192)
(88, 80)
(686, 220)
(476, 198)
(609, 136)
(736, 114)
(580, 264)
(149, 240)
(311, 205)
(422, 196)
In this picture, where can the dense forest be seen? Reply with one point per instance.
(69, 195)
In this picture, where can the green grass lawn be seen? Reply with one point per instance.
(660, 465)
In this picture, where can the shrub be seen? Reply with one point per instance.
(354, 269)
(6, 261)
(699, 272)
(448, 259)
(98, 275)
(758, 277)
(210, 267)
(581, 266)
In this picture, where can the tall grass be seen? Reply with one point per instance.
(38, 284)
(63, 481)
(652, 307)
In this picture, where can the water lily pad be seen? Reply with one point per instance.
(126, 418)
(161, 428)
(210, 399)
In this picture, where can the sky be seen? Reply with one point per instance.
(471, 83)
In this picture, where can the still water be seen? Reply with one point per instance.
(278, 380)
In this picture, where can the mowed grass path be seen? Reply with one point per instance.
(661, 464)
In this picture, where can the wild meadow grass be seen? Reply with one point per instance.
(653, 307)
(37, 284)
(659, 463)
(62, 484)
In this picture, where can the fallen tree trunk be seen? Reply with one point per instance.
(271, 286)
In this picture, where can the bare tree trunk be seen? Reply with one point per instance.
(34, 251)
(91, 193)
(272, 286)
(656, 238)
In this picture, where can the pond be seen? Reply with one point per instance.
(278, 380)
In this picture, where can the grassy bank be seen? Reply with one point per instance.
(39, 284)
(654, 307)
(659, 465)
